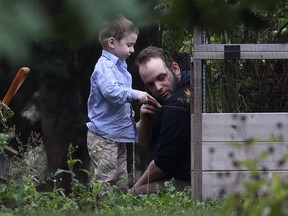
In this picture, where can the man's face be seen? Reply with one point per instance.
(158, 79)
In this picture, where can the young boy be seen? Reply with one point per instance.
(111, 123)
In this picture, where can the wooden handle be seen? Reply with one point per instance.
(15, 85)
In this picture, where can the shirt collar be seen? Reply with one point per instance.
(113, 58)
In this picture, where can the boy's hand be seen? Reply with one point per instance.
(145, 98)
(153, 102)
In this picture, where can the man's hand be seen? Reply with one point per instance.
(147, 111)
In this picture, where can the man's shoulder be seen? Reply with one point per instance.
(185, 77)
(180, 98)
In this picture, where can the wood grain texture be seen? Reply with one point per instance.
(217, 185)
(229, 139)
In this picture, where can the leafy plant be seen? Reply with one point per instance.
(232, 85)
(19, 196)
(264, 189)
(5, 114)
(261, 195)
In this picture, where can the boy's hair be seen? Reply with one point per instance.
(154, 52)
(116, 28)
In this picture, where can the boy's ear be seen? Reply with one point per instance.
(111, 42)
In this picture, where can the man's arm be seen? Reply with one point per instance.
(144, 125)
(144, 132)
(152, 174)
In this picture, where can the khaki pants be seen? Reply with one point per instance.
(109, 159)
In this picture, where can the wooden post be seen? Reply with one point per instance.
(196, 127)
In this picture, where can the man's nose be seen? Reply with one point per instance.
(158, 86)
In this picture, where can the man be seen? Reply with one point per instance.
(165, 128)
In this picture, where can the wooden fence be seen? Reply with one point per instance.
(213, 170)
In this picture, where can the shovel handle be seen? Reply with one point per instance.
(15, 85)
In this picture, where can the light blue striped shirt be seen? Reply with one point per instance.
(109, 107)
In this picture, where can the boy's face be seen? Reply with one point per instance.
(125, 47)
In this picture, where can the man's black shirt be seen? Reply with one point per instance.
(171, 133)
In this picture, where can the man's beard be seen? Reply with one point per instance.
(175, 82)
(174, 85)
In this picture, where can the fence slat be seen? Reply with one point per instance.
(220, 184)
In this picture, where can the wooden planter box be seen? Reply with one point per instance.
(6, 162)
(214, 173)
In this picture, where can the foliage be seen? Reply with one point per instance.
(249, 85)
(5, 114)
(233, 85)
(24, 23)
(263, 193)
(223, 21)
(261, 196)
(20, 24)
(76, 23)
(20, 196)
(217, 15)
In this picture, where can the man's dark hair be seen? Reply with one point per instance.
(154, 52)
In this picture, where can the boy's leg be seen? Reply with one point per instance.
(109, 159)
(122, 177)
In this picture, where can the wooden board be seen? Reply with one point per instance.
(231, 138)
(217, 185)
(243, 55)
(228, 127)
(244, 47)
(219, 156)
(247, 51)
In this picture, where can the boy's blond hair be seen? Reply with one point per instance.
(116, 28)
